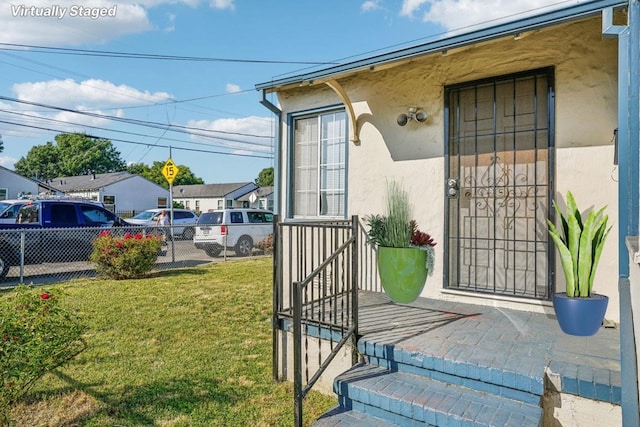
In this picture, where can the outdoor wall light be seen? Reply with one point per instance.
(414, 113)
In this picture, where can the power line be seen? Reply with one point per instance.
(48, 119)
(133, 55)
(155, 125)
(144, 143)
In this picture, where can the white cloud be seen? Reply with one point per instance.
(238, 133)
(233, 88)
(411, 6)
(98, 96)
(80, 120)
(171, 17)
(370, 5)
(458, 14)
(7, 161)
(222, 4)
(90, 93)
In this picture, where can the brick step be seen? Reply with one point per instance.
(501, 374)
(406, 399)
(343, 417)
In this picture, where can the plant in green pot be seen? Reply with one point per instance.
(579, 241)
(405, 254)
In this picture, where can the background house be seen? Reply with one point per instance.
(261, 198)
(121, 192)
(13, 184)
(202, 197)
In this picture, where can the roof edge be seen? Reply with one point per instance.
(553, 17)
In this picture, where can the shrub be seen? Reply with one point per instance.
(128, 257)
(266, 245)
(37, 336)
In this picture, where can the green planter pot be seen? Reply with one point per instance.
(403, 272)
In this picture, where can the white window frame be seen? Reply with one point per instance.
(4, 196)
(322, 166)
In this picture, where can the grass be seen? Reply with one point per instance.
(186, 347)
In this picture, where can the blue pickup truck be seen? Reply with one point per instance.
(57, 230)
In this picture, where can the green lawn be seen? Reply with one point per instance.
(187, 347)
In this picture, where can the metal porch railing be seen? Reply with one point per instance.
(318, 269)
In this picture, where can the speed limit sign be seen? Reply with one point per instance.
(170, 170)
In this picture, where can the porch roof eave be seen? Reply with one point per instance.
(554, 17)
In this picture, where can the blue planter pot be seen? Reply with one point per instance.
(580, 316)
(403, 272)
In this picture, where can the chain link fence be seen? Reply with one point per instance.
(59, 254)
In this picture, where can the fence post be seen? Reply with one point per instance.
(22, 249)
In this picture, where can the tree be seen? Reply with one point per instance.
(265, 177)
(42, 162)
(81, 154)
(154, 174)
(72, 154)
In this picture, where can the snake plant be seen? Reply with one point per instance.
(580, 245)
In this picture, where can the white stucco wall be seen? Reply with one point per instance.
(586, 97)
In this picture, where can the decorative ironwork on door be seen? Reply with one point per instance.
(499, 186)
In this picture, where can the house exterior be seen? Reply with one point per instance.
(485, 130)
(121, 192)
(260, 198)
(203, 197)
(12, 185)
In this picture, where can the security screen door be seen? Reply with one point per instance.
(498, 188)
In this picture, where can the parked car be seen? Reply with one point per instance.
(235, 229)
(9, 210)
(184, 220)
(57, 230)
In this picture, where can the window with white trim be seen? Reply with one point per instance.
(319, 180)
(4, 193)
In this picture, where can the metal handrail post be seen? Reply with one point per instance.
(277, 285)
(297, 354)
(355, 286)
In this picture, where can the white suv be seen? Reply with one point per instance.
(235, 229)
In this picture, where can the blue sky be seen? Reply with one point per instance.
(207, 110)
